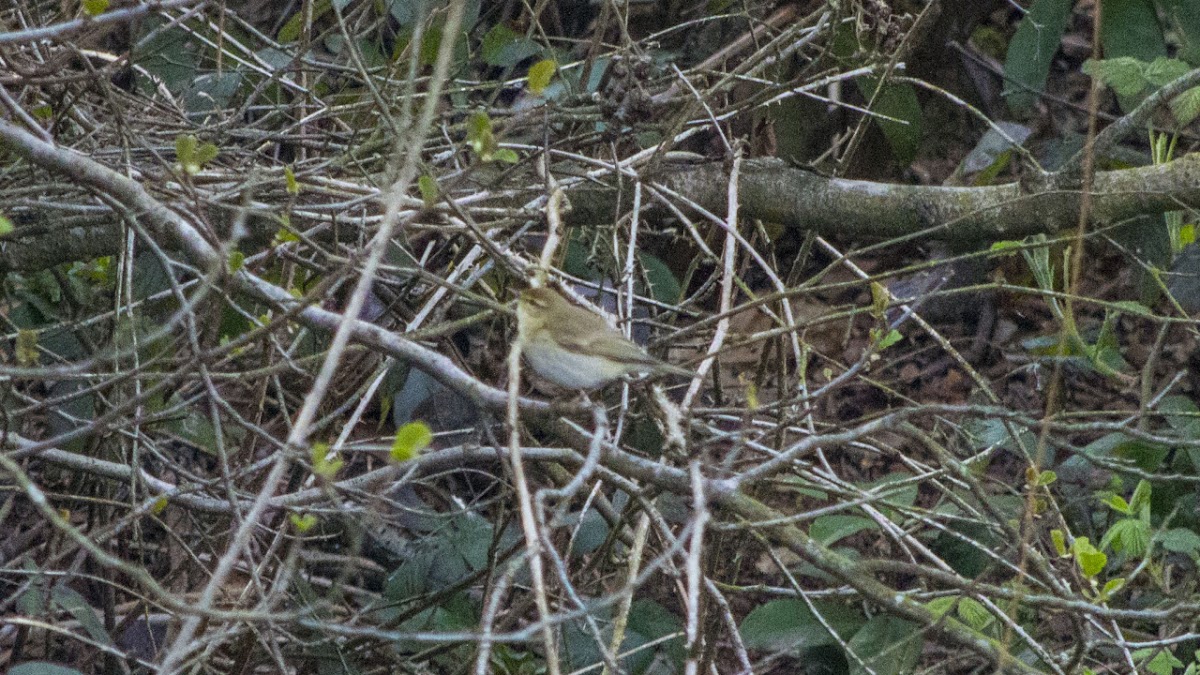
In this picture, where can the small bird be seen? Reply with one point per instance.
(576, 348)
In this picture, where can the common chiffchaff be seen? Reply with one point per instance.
(576, 348)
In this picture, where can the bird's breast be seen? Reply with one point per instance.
(571, 369)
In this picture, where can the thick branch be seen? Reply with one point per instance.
(774, 191)
(777, 192)
(35, 252)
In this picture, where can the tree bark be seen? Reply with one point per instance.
(774, 191)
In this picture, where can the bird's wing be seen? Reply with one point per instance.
(619, 349)
(608, 345)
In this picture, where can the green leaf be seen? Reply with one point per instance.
(899, 491)
(480, 137)
(1182, 15)
(975, 614)
(27, 347)
(828, 530)
(1124, 75)
(1141, 497)
(786, 625)
(411, 439)
(649, 621)
(989, 174)
(1147, 238)
(410, 578)
(74, 603)
(1111, 586)
(993, 152)
(6, 226)
(237, 260)
(879, 299)
(428, 187)
(33, 599)
(1130, 28)
(302, 523)
(95, 7)
(540, 74)
(196, 427)
(206, 153)
(170, 54)
(185, 148)
(284, 236)
(291, 29)
(1187, 233)
(1107, 349)
(1162, 661)
(887, 646)
(478, 126)
(899, 103)
(323, 466)
(590, 534)
(1145, 456)
(1186, 106)
(939, 606)
(1128, 535)
(289, 177)
(1182, 416)
(1163, 71)
(890, 339)
(1038, 258)
(1090, 561)
(1180, 540)
(1117, 503)
(1031, 51)
(407, 12)
(494, 41)
(503, 48)
(1060, 542)
(1081, 544)
(191, 155)
(507, 155)
(664, 287)
(1046, 478)
(431, 45)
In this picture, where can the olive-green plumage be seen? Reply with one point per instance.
(576, 348)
